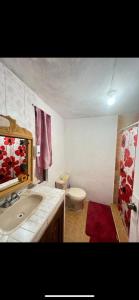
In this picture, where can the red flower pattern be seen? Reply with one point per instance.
(125, 193)
(17, 170)
(9, 141)
(128, 192)
(122, 172)
(130, 180)
(129, 162)
(5, 175)
(135, 140)
(10, 166)
(21, 151)
(128, 150)
(2, 152)
(123, 182)
(10, 162)
(126, 154)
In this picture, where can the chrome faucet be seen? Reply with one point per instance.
(9, 201)
(14, 197)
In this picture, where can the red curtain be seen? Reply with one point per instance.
(43, 140)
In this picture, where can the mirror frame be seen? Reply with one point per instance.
(16, 131)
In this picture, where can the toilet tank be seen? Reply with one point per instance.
(62, 182)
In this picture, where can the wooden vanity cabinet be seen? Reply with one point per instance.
(55, 231)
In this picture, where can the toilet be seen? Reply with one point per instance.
(74, 196)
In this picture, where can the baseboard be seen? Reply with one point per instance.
(120, 229)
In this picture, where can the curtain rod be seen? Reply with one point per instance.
(132, 125)
(40, 109)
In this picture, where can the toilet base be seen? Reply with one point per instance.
(74, 204)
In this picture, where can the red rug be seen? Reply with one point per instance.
(100, 225)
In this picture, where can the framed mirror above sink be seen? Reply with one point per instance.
(16, 156)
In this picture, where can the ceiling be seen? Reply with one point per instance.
(77, 87)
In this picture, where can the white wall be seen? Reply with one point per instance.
(19, 99)
(90, 145)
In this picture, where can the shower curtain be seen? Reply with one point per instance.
(127, 166)
(43, 139)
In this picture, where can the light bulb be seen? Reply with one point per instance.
(111, 100)
(111, 97)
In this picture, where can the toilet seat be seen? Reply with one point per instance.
(76, 194)
(60, 181)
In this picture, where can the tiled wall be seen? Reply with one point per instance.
(16, 100)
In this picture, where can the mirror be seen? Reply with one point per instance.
(13, 159)
(16, 159)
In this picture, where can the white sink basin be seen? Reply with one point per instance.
(14, 215)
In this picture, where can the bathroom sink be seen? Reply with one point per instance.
(14, 215)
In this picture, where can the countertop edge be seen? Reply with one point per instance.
(45, 225)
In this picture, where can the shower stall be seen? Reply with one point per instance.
(129, 153)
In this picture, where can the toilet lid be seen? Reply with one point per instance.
(76, 193)
(60, 181)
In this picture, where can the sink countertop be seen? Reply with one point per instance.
(33, 227)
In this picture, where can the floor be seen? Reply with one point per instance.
(75, 222)
(121, 231)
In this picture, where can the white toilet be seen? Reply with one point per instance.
(74, 196)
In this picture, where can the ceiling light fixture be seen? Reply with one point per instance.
(111, 97)
(112, 93)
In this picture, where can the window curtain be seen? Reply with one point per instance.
(43, 140)
(127, 166)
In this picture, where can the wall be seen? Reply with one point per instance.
(123, 121)
(16, 100)
(90, 145)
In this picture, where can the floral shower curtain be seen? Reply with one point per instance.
(127, 166)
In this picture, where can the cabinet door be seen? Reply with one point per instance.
(54, 232)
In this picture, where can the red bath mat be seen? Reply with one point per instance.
(100, 225)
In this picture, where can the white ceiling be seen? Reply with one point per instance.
(77, 87)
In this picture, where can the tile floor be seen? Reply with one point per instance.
(75, 222)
